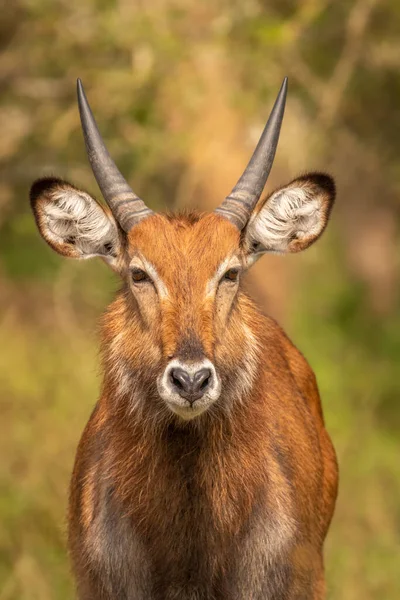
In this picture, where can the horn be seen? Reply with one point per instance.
(238, 206)
(127, 208)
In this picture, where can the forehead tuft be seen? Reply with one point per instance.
(184, 239)
(185, 218)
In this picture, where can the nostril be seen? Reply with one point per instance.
(181, 380)
(175, 381)
(205, 383)
(201, 380)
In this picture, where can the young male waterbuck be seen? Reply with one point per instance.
(205, 471)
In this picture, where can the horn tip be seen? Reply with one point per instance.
(80, 92)
(79, 87)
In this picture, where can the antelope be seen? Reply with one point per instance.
(205, 471)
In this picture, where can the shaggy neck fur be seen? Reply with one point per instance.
(199, 480)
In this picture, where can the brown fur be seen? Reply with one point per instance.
(232, 505)
(191, 492)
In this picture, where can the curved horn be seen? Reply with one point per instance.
(127, 208)
(238, 206)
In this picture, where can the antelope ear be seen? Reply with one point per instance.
(291, 218)
(72, 222)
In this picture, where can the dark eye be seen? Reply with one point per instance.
(139, 276)
(232, 275)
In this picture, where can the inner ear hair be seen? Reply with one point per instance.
(293, 217)
(72, 222)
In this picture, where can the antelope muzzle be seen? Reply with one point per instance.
(189, 387)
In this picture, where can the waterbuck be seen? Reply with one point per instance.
(205, 471)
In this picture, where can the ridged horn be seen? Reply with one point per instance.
(127, 208)
(238, 206)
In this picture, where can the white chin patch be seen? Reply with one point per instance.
(176, 403)
(187, 412)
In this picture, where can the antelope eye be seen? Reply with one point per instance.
(232, 275)
(139, 276)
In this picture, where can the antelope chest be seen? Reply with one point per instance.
(185, 547)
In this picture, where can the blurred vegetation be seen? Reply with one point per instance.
(181, 90)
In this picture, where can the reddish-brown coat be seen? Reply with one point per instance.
(194, 494)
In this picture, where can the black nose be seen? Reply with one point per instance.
(190, 386)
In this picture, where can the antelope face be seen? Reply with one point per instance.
(185, 282)
(182, 273)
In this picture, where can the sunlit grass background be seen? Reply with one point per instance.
(181, 90)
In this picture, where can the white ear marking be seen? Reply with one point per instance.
(73, 217)
(288, 213)
(292, 217)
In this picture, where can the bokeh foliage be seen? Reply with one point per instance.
(181, 89)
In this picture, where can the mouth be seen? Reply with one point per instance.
(188, 411)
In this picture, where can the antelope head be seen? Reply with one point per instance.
(181, 326)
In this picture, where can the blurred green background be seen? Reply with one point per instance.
(181, 90)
